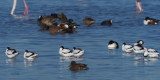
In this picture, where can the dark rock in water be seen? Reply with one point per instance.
(107, 23)
(77, 66)
(88, 21)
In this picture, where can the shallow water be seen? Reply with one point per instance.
(22, 33)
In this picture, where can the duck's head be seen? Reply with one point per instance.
(110, 20)
(70, 20)
(40, 17)
(63, 26)
(73, 63)
(111, 41)
(147, 18)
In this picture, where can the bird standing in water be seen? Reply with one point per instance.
(14, 7)
(139, 6)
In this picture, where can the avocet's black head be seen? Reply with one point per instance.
(124, 43)
(8, 47)
(74, 47)
(26, 50)
(62, 47)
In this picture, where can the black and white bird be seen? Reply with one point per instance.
(77, 52)
(113, 45)
(11, 53)
(152, 53)
(107, 22)
(66, 52)
(150, 21)
(30, 55)
(138, 48)
(127, 47)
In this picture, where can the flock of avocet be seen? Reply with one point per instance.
(136, 48)
(77, 52)
(29, 55)
(128, 48)
(66, 52)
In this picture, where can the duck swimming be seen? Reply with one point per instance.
(70, 22)
(46, 21)
(77, 66)
(113, 45)
(11, 53)
(67, 28)
(107, 22)
(150, 21)
(88, 21)
(54, 29)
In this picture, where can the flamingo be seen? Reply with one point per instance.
(139, 6)
(14, 7)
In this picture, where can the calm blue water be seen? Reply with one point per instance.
(23, 34)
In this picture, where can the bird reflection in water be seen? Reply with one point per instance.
(145, 61)
(11, 61)
(68, 59)
(128, 54)
(28, 63)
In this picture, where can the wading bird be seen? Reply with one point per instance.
(14, 7)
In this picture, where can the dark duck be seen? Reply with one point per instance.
(88, 21)
(107, 22)
(54, 29)
(77, 66)
(45, 21)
